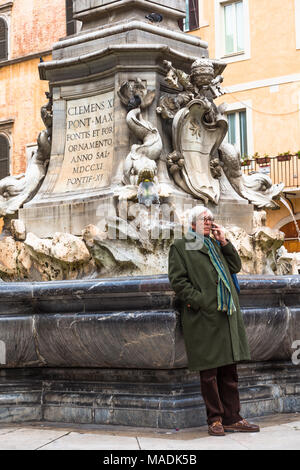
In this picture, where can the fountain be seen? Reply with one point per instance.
(292, 215)
(133, 140)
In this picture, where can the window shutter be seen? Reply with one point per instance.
(3, 39)
(4, 157)
(69, 18)
(194, 14)
(243, 133)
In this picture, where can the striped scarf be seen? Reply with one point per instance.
(225, 299)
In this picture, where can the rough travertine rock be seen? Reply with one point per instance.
(259, 219)
(18, 229)
(126, 249)
(63, 257)
(41, 246)
(287, 263)
(135, 247)
(8, 256)
(63, 246)
(257, 250)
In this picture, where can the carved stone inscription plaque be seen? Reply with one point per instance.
(89, 145)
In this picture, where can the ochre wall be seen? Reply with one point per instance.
(36, 25)
(275, 115)
(274, 217)
(282, 217)
(273, 41)
(273, 54)
(24, 94)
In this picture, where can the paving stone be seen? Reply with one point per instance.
(295, 425)
(78, 441)
(6, 430)
(28, 438)
(278, 432)
(206, 443)
(273, 438)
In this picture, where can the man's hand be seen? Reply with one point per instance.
(219, 234)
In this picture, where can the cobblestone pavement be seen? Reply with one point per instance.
(278, 432)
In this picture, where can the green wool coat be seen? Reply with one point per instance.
(212, 338)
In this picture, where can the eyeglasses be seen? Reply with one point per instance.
(206, 220)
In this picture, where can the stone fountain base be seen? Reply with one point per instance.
(164, 399)
(111, 352)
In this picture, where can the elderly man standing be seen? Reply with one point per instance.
(200, 272)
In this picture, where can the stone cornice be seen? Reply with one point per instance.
(115, 49)
(6, 6)
(171, 11)
(6, 123)
(124, 28)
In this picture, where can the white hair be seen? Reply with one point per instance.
(197, 212)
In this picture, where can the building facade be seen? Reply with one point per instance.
(260, 42)
(28, 29)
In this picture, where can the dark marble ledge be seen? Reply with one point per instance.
(16, 290)
(128, 286)
(54, 378)
(87, 288)
(290, 283)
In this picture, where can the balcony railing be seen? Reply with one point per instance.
(281, 169)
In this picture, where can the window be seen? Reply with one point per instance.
(234, 28)
(237, 131)
(4, 156)
(3, 39)
(232, 32)
(71, 24)
(191, 20)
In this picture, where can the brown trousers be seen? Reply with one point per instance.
(219, 388)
